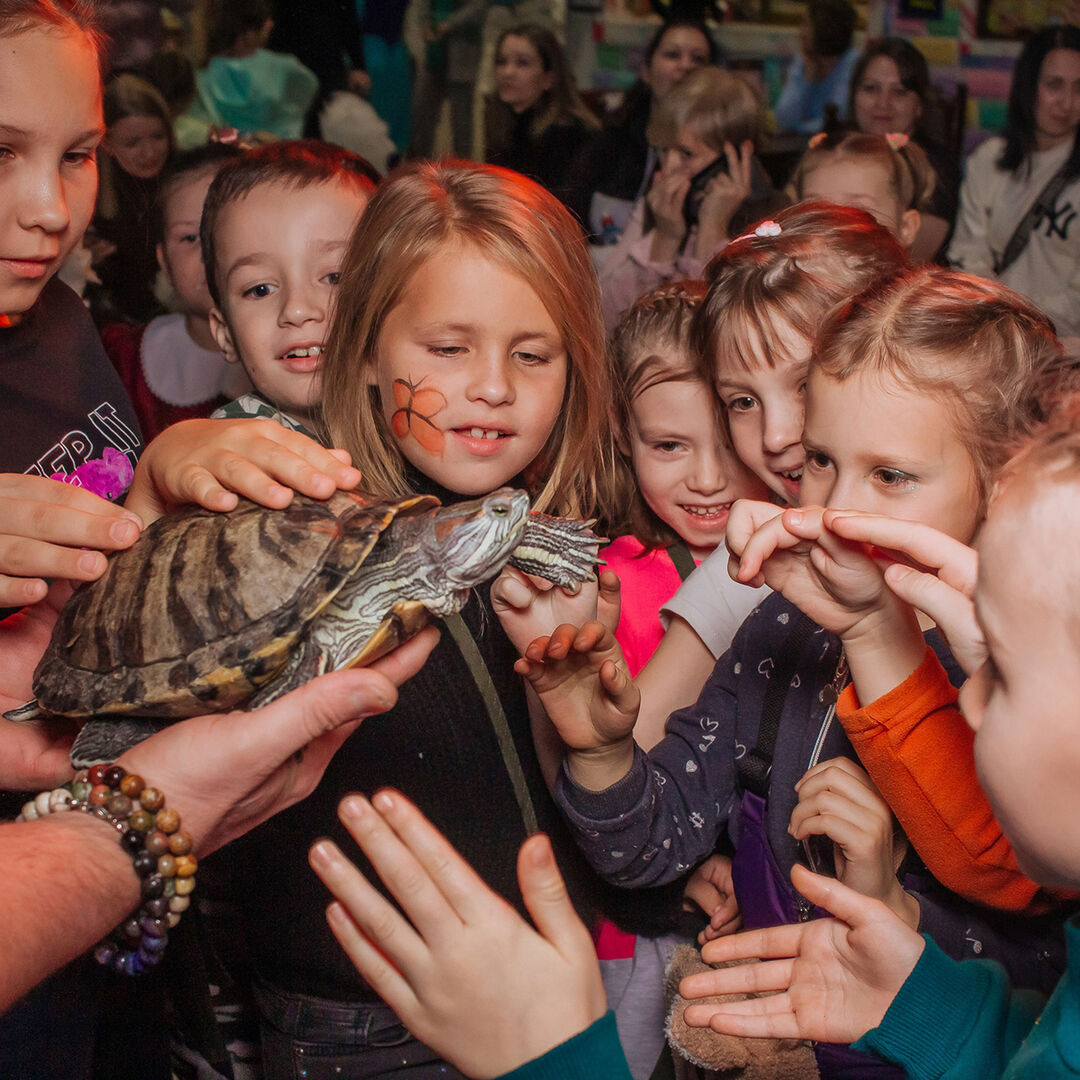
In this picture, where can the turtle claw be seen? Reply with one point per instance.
(31, 710)
(100, 741)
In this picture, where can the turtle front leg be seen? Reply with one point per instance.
(305, 663)
(563, 550)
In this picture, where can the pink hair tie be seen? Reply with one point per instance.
(765, 229)
(897, 140)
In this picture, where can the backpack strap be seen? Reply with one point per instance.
(1043, 204)
(470, 653)
(683, 560)
(754, 766)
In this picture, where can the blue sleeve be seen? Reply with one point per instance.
(592, 1054)
(788, 108)
(953, 1020)
(668, 812)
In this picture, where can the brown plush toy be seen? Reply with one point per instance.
(702, 1052)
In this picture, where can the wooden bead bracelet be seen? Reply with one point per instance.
(161, 855)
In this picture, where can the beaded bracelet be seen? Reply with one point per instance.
(160, 850)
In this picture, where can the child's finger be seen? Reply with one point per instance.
(949, 607)
(737, 979)
(512, 590)
(842, 781)
(619, 687)
(21, 592)
(404, 875)
(546, 898)
(537, 649)
(467, 895)
(559, 644)
(592, 635)
(372, 964)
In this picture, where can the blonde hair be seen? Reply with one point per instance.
(911, 176)
(650, 345)
(988, 353)
(715, 105)
(823, 254)
(518, 225)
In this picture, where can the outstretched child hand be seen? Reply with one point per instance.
(211, 462)
(49, 529)
(464, 972)
(710, 887)
(583, 683)
(838, 799)
(942, 585)
(529, 606)
(834, 979)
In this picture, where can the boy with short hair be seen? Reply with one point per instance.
(274, 231)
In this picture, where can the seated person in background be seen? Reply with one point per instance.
(1002, 232)
(536, 123)
(246, 86)
(709, 187)
(821, 74)
(171, 367)
(620, 162)
(890, 93)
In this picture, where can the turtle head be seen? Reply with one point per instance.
(474, 539)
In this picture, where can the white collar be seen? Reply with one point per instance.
(177, 369)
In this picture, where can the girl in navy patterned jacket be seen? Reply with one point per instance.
(912, 426)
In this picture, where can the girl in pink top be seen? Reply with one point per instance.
(678, 474)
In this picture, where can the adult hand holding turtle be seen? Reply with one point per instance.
(262, 762)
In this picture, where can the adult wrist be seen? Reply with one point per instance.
(160, 851)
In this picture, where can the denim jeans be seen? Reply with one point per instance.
(310, 1038)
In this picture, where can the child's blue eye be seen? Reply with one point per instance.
(259, 291)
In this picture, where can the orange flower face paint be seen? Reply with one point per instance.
(413, 414)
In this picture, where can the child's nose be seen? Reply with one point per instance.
(301, 305)
(707, 475)
(783, 428)
(43, 204)
(490, 379)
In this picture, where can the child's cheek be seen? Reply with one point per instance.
(416, 405)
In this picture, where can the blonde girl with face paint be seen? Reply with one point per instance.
(466, 354)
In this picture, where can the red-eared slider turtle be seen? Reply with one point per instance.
(209, 611)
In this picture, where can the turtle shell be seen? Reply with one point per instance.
(206, 607)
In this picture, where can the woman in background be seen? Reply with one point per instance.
(536, 122)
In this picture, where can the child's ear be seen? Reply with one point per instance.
(223, 336)
(163, 266)
(910, 220)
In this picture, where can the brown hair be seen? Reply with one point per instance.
(561, 104)
(716, 105)
(988, 353)
(293, 163)
(649, 345)
(518, 225)
(66, 16)
(911, 176)
(823, 254)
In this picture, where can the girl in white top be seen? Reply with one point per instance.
(1007, 174)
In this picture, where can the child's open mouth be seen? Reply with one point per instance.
(792, 481)
(303, 358)
(481, 440)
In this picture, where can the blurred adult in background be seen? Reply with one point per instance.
(453, 34)
(134, 29)
(891, 93)
(620, 162)
(324, 35)
(1019, 218)
(536, 123)
(138, 142)
(709, 187)
(821, 74)
(247, 86)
